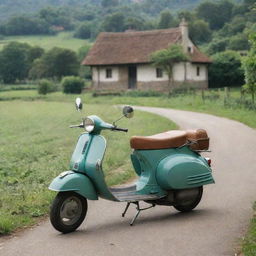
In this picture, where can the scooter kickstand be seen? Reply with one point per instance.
(137, 214)
(138, 211)
(126, 208)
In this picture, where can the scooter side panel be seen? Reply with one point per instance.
(71, 181)
(78, 156)
(180, 171)
(93, 166)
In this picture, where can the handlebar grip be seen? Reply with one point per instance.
(120, 129)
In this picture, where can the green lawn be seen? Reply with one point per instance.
(36, 145)
(63, 39)
(213, 103)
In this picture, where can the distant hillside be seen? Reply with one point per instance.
(10, 8)
(18, 7)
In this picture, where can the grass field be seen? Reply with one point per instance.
(63, 40)
(36, 145)
(213, 103)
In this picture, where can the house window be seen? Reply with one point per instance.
(159, 73)
(108, 73)
(198, 71)
(189, 49)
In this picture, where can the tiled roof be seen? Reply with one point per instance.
(135, 47)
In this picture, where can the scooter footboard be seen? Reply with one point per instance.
(72, 181)
(183, 171)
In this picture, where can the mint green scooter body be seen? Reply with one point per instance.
(86, 162)
(159, 171)
(168, 169)
(73, 181)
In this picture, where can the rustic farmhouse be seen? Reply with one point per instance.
(121, 61)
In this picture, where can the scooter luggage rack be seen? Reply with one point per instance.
(191, 142)
(138, 210)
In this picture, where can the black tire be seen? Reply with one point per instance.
(68, 211)
(189, 205)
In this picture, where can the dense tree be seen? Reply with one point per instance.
(215, 13)
(249, 66)
(134, 23)
(237, 25)
(217, 45)
(166, 58)
(56, 17)
(84, 71)
(238, 42)
(55, 63)
(34, 53)
(187, 15)
(109, 3)
(14, 64)
(84, 31)
(199, 31)
(114, 22)
(166, 20)
(226, 70)
(25, 26)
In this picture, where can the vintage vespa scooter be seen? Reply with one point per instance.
(170, 172)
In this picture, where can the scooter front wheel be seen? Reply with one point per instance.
(188, 204)
(68, 211)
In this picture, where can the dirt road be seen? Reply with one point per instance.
(213, 229)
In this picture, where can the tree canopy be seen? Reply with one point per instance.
(166, 58)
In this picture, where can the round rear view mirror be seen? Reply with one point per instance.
(79, 104)
(128, 111)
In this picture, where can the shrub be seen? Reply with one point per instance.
(72, 84)
(45, 86)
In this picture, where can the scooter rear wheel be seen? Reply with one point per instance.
(189, 205)
(68, 211)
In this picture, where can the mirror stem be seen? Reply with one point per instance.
(114, 123)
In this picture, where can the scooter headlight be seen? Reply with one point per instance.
(89, 125)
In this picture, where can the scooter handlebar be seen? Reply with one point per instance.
(119, 129)
(77, 126)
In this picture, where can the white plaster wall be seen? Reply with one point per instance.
(147, 73)
(192, 72)
(179, 72)
(191, 45)
(99, 73)
(95, 74)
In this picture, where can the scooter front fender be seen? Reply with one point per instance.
(72, 181)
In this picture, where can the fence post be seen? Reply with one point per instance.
(241, 93)
(219, 92)
(226, 92)
(203, 98)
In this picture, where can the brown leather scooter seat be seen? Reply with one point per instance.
(195, 139)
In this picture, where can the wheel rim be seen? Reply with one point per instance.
(71, 210)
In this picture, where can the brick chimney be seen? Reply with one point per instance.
(184, 33)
